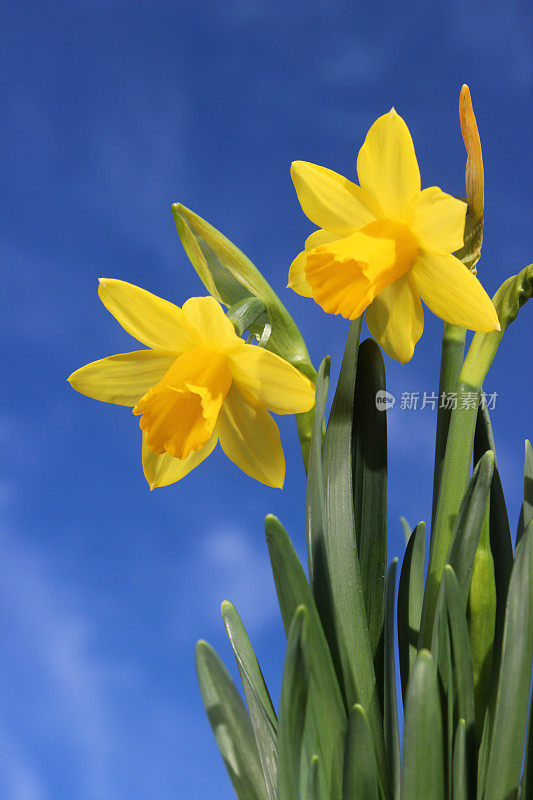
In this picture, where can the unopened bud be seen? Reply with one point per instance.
(474, 175)
(475, 184)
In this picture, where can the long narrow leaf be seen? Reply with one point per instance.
(360, 769)
(500, 533)
(313, 784)
(526, 513)
(483, 753)
(407, 530)
(423, 744)
(527, 779)
(326, 716)
(369, 452)
(260, 708)
(390, 700)
(410, 597)
(441, 648)
(452, 355)
(231, 725)
(460, 790)
(467, 529)
(463, 687)
(350, 641)
(510, 713)
(293, 703)
(316, 556)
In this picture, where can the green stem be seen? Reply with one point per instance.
(456, 467)
(453, 348)
(304, 426)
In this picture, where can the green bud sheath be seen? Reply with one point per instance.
(481, 622)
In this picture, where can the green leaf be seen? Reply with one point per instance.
(293, 703)
(407, 530)
(481, 614)
(360, 780)
(526, 513)
(350, 640)
(369, 449)
(467, 528)
(451, 651)
(441, 649)
(452, 356)
(510, 712)
(326, 716)
(316, 556)
(231, 725)
(410, 596)
(527, 780)
(231, 277)
(313, 784)
(500, 533)
(390, 701)
(461, 787)
(339, 520)
(261, 710)
(460, 651)
(423, 744)
(483, 753)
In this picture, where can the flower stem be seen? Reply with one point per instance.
(456, 467)
(453, 346)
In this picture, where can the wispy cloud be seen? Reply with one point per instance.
(54, 687)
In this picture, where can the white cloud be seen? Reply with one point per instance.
(57, 688)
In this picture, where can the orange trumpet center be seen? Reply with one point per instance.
(179, 414)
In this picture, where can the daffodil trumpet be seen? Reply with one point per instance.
(197, 385)
(386, 244)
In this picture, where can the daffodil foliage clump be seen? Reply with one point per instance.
(464, 624)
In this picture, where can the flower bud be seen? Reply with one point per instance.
(475, 183)
(474, 176)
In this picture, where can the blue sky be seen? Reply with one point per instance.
(111, 112)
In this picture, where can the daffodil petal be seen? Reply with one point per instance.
(124, 378)
(387, 165)
(346, 275)
(162, 470)
(150, 319)
(396, 318)
(250, 438)
(330, 200)
(319, 237)
(272, 380)
(207, 323)
(297, 280)
(438, 220)
(451, 291)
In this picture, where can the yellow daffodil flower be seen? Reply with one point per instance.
(384, 245)
(198, 384)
